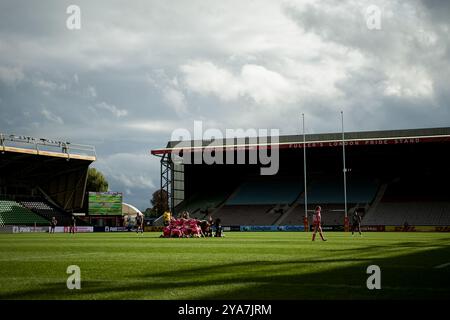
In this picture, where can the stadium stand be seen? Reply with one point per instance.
(415, 201)
(330, 190)
(263, 192)
(42, 178)
(258, 201)
(414, 213)
(47, 211)
(247, 215)
(417, 187)
(396, 176)
(204, 203)
(13, 213)
(332, 215)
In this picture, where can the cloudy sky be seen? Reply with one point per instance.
(137, 70)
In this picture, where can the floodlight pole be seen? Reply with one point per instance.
(344, 167)
(304, 167)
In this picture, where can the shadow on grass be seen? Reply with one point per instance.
(408, 276)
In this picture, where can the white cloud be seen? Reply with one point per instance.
(138, 173)
(176, 99)
(266, 86)
(152, 126)
(11, 76)
(134, 174)
(51, 116)
(170, 90)
(48, 85)
(206, 78)
(92, 91)
(254, 81)
(112, 108)
(408, 83)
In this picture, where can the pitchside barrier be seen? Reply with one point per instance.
(22, 229)
(418, 229)
(112, 229)
(28, 229)
(272, 228)
(127, 229)
(406, 229)
(328, 228)
(294, 228)
(373, 228)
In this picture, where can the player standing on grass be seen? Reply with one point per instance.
(356, 223)
(73, 225)
(139, 223)
(317, 219)
(53, 224)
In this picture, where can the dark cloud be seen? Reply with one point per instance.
(137, 71)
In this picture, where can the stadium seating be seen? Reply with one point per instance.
(332, 215)
(417, 200)
(266, 192)
(416, 188)
(278, 200)
(415, 213)
(247, 215)
(255, 202)
(197, 204)
(13, 213)
(47, 211)
(323, 190)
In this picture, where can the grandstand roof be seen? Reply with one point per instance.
(407, 136)
(45, 147)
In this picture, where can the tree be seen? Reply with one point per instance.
(150, 213)
(160, 202)
(96, 181)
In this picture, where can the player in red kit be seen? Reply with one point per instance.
(317, 219)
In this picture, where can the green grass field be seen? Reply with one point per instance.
(260, 265)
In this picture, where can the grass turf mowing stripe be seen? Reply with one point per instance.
(258, 265)
(443, 265)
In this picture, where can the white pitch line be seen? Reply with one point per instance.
(442, 265)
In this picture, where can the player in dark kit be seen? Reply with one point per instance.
(209, 232)
(73, 225)
(317, 220)
(218, 227)
(53, 224)
(356, 223)
(139, 223)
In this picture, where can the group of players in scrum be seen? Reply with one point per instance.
(186, 227)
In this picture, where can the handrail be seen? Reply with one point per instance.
(40, 144)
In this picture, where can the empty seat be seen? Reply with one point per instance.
(13, 213)
(247, 215)
(416, 213)
(267, 192)
(47, 211)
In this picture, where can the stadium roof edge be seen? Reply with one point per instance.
(48, 153)
(45, 147)
(286, 141)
